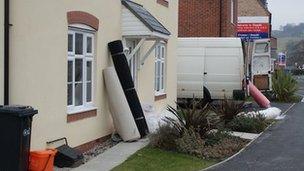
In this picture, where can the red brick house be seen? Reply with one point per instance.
(207, 18)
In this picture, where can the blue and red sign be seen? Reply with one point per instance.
(252, 31)
(282, 59)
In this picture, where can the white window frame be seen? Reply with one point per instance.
(232, 11)
(134, 61)
(86, 57)
(160, 69)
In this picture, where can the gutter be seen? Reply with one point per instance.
(6, 51)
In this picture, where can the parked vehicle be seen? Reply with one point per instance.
(216, 64)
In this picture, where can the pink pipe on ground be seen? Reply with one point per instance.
(261, 100)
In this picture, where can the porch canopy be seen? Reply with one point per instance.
(139, 23)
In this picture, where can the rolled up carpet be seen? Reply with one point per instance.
(121, 65)
(126, 81)
(259, 97)
(122, 116)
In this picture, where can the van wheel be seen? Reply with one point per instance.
(207, 95)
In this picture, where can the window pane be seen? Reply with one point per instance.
(70, 43)
(70, 71)
(70, 94)
(159, 68)
(158, 84)
(162, 75)
(261, 48)
(78, 70)
(89, 70)
(78, 94)
(155, 77)
(163, 52)
(89, 92)
(78, 44)
(89, 44)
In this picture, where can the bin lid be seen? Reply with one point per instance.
(17, 110)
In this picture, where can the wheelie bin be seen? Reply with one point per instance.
(15, 133)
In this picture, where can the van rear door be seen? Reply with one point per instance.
(261, 57)
(261, 64)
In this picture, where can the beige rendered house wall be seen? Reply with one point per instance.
(1, 53)
(39, 65)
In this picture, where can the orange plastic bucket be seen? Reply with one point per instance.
(42, 160)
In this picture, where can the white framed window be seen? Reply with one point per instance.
(232, 11)
(80, 70)
(133, 61)
(160, 69)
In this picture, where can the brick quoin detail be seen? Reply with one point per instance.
(80, 116)
(201, 18)
(79, 17)
(90, 145)
(163, 2)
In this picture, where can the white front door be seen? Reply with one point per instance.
(133, 62)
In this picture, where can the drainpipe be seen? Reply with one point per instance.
(6, 52)
(270, 24)
(220, 13)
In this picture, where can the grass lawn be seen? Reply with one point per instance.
(151, 159)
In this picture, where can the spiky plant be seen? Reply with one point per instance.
(197, 117)
(284, 86)
(228, 109)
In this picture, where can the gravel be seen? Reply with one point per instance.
(100, 148)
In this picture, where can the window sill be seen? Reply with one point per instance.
(159, 97)
(73, 110)
(81, 114)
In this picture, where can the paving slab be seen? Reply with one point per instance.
(113, 156)
(247, 136)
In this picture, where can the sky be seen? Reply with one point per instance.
(286, 11)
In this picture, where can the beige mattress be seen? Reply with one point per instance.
(122, 116)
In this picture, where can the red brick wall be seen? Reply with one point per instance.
(201, 18)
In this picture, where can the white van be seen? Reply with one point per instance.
(214, 63)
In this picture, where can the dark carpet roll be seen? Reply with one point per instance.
(137, 111)
(123, 71)
(115, 47)
(126, 81)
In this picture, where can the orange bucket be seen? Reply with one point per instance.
(42, 160)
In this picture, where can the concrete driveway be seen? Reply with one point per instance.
(279, 148)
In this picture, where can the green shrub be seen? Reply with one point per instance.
(217, 145)
(199, 118)
(215, 137)
(190, 143)
(248, 124)
(225, 148)
(164, 138)
(192, 133)
(228, 109)
(284, 86)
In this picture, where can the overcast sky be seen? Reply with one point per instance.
(286, 11)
